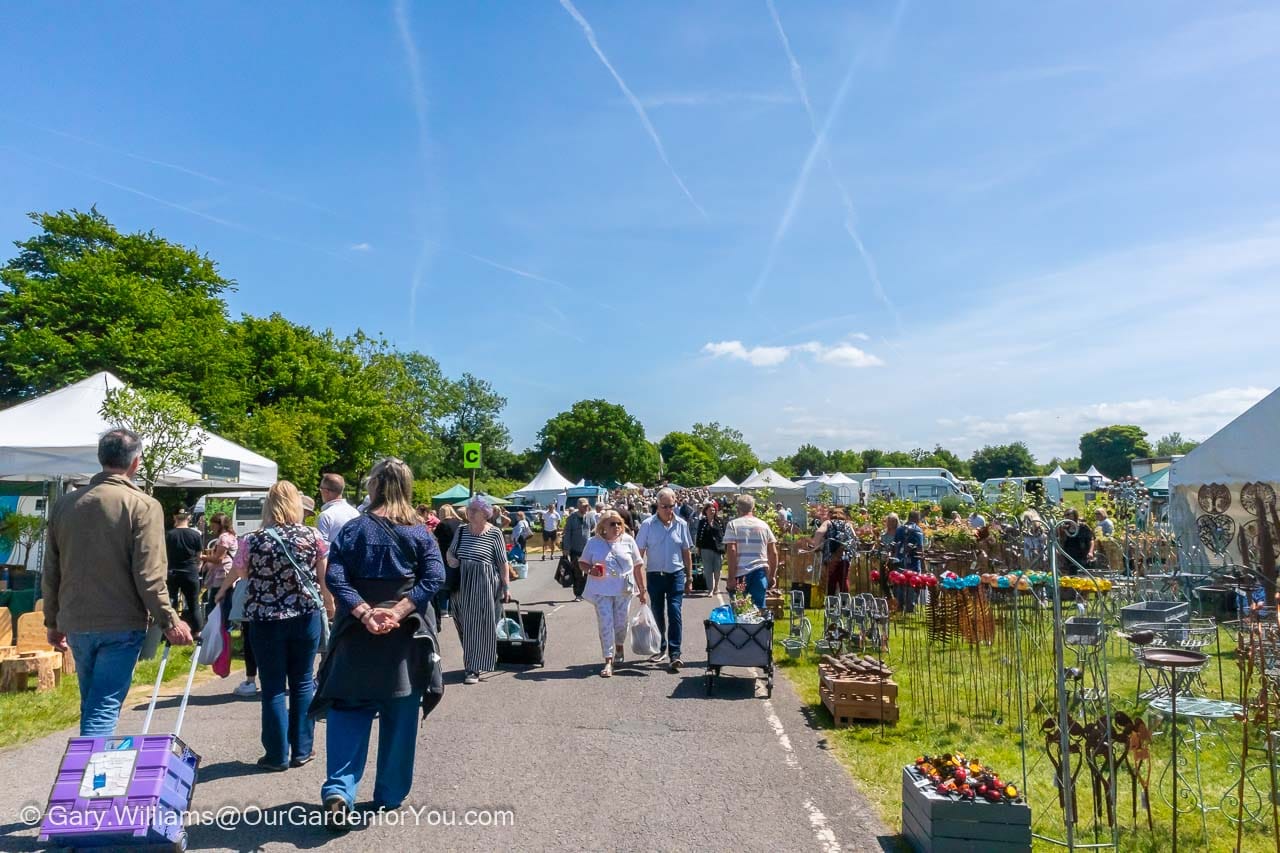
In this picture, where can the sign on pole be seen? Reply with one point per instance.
(213, 468)
(471, 454)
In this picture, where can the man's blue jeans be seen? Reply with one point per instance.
(347, 748)
(104, 667)
(666, 597)
(286, 653)
(756, 583)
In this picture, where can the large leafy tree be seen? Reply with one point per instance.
(808, 458)
(1112, 448)
(81, 297)
(1003, 460)
(599, 440)
(689, 461)
(473, 414)
(734, 457)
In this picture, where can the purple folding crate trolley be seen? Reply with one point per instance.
(125, 790)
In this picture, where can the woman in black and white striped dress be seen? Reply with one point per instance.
(480, 554)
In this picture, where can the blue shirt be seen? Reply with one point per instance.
(910, 544)
(664, 546)
(364, 549)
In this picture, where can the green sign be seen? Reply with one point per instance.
(213, 468)
(471, 454)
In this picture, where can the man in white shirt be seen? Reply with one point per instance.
(550, 531)
(753, 552)
(335, 511)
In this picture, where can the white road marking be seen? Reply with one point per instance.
(818, 821)
(783, 739)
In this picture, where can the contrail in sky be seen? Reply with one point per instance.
(819, 146)
(401, 11)
(630, 96)
(176, 167)
(514, 270)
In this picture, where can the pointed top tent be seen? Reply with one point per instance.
(1242, 452)
(1094, 472)
(769, 479)
(842, 489)
(490, 498)
(723, 486)
(545, 488)
(56, 435)
(451, 495)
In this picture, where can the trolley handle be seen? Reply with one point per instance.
(186, 692)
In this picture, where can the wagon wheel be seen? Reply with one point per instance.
(1251, 494)
(180, 844)
(768, 685)
(711, 685)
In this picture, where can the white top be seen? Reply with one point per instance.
(976, 521)
(550, 520)
(620, 558)
(333, 515)
(752, 537)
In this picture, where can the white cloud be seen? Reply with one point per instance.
(361, 247)
(842, 355)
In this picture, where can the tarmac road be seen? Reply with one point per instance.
(546, 758)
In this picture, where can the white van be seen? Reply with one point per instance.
(920, 489)
(1050, 487)
(248, 511)
(914, 472)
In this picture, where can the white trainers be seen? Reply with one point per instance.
(248, 687)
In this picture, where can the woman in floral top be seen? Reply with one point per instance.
(284, 564)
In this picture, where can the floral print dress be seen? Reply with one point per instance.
(274, 589)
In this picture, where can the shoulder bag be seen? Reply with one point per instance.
(310, 587)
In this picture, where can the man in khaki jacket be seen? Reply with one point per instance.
(105, 575)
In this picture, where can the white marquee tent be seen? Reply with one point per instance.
(723, 486)
(1244, 451)
(1093, 472)
(56, 435)
(843, 489)
(769, 479)
(548, 487)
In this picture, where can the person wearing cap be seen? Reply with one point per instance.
(577, 530)
(182, 546)
(480, 555)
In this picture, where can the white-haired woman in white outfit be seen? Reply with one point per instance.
(612, 564)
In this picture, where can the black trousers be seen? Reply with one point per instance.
(187, 587)
(579, 576)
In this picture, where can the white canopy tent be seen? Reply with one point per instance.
(769, 479)
(844, 490)
(723, 486)
(1093, 473)
(1244, 451)
(548, 487)
(56, 435)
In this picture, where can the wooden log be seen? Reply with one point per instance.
(6, 627)
(45, 666)
(7, 652)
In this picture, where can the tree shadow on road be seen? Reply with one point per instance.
(577, 672)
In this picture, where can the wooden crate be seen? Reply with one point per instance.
(844, 686)
(776, 603)
(933, 823)
(845, 712)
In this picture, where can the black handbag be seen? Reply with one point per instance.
(564, 571)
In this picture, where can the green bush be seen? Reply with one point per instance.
(952, 503)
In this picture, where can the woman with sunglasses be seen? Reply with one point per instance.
(611, 562)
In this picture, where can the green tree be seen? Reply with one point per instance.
(1069, 464)
(872, 459)
(82, 297)
(734, 457)
(782, 465)
(475, 415)
(1112, 448)
(808, 458)
(943, 458)
(170, 431)
(598, 440)
(1174, 444)
(689, 461)
(1002, 460)
(22, 530)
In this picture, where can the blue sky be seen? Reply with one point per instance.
(897, 225)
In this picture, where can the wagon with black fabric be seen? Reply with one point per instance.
(739, 644)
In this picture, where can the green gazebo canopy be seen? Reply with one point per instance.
(452, 494)
(490, 498)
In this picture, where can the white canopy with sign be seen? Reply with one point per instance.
(56, 435)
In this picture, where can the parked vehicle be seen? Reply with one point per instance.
(914, 472)
(1047, 487)
(921, 489)
(248, 512)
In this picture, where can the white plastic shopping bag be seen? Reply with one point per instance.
(646, 640)
(211, 638)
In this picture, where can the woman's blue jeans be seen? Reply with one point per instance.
(286, 653)
(347, 748)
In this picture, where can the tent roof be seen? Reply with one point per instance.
(490, 498)
(838, 479)
(453, 493)
(1243, 451)
(1157, 482)
(56, 435)
(768, 479)
(548, 480)
(1094, 472)
(1057, 472)
(724, 484)
(629, 486)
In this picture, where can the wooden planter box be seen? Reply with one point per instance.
(852, 699)
(933, 823)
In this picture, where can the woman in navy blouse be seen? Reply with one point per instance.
(384, 570)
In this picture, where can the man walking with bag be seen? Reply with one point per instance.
(666, 549)
(577, 531)
(105, 574)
